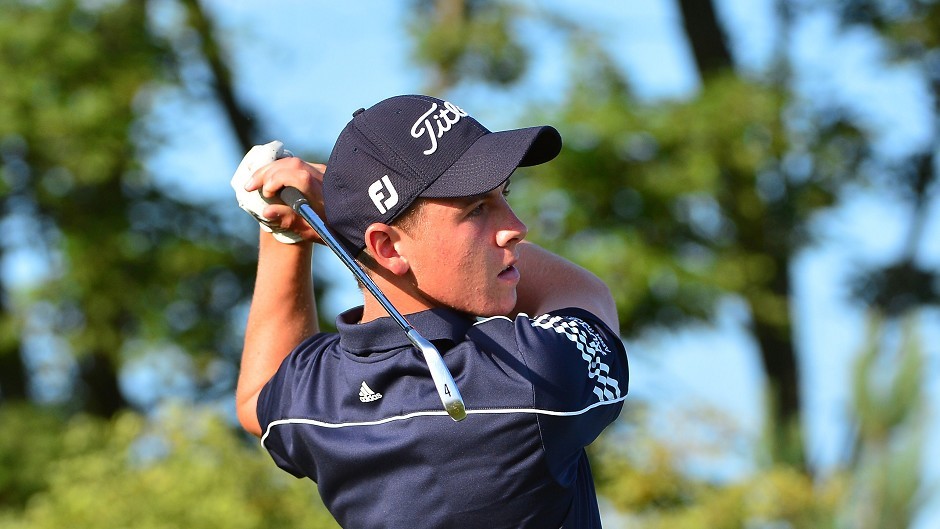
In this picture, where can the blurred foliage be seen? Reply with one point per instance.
(28, 454)
(909, 30)
(127, 259)
(680, 204)
(474, 39)
(185, 468)
(889, 405)
(643, 470)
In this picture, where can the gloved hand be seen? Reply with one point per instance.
(253, 201)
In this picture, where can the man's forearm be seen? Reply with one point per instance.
(552, 282)
(283, 313)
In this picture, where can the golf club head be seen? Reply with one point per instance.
(446, 387)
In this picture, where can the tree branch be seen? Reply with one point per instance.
(240, 119)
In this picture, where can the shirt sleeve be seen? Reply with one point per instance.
(580, 377)
(276, 403)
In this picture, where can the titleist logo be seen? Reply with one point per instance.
(445, 119)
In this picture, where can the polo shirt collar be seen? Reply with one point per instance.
(384, 334)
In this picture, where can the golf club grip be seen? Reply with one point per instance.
(292, 197)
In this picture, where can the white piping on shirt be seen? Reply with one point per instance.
(494, 411)
(484, 320)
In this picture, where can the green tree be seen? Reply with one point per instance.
(889, 411)
(28, 454)
(184, 469)
(643, 472)
(909, 31)
(129, 261)
(131, 268)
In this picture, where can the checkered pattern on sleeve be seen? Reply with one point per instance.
(591, 347)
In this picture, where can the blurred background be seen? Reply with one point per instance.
(755, 179)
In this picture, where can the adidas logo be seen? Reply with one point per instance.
(366, 394)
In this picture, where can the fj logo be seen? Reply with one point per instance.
(383, 194)
(366, 394)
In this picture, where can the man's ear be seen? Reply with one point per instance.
(382, 243)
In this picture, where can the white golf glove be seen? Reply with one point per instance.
(253, 201)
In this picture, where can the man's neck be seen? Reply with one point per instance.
(372, 309)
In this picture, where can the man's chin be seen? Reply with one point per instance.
(507, 310)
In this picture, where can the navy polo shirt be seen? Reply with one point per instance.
(357, 412)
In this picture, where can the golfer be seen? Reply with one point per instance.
(416, 189)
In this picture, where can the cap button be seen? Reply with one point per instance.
(360, 111)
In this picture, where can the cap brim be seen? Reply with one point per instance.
(492, 158)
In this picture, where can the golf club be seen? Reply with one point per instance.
(446, 388)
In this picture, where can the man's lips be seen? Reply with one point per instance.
(510, 273)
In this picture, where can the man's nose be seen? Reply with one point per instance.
(512, 229)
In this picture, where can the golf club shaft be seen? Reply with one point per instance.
(443, 380)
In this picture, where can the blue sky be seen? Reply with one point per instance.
(307, 65)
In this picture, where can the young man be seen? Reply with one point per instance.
(416, 188)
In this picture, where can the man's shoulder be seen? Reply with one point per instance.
(314, 345)
(563, 347)
(308, 356)
(566, 323)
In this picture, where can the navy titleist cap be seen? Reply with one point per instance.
(413, 146)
